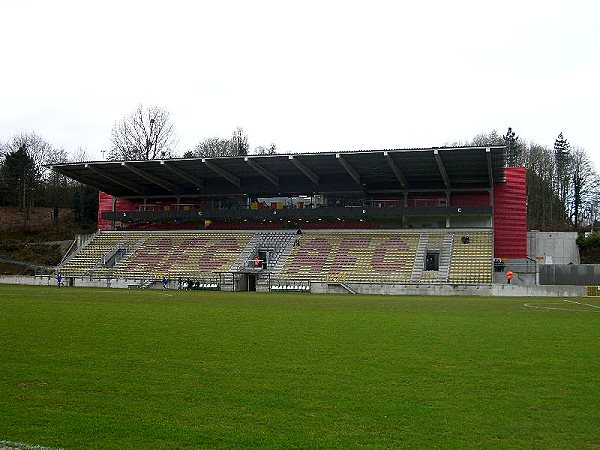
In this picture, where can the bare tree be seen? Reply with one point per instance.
(239, 142)
(584, 186)
(216, 146)
(480, 140)
(545, 211)
(39, 150)
(80, 154)
(484, 139)
(57, 184)
(147, 133)
(270, 150)
(210, 148)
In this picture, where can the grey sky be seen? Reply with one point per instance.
(309, 76)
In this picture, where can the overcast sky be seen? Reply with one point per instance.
(307, 75)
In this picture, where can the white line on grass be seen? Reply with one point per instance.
(20, 445)
(547, 306)
(586, 304)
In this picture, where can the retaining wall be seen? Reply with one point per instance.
(486, 290)
(580, 274)
(74, 281)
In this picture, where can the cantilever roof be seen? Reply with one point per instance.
(291, 174)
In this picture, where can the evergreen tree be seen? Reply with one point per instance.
(85, 204)
(513, 153)
(18, 174)
(561, 157)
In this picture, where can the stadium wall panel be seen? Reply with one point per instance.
(574, 274)
(105, 205)
(469, 199)
(510, 215)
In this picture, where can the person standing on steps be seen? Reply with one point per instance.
(509, 275)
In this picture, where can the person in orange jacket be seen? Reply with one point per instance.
(509, 276)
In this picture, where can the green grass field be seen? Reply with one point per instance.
(116, 369)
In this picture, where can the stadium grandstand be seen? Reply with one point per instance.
(304, 222)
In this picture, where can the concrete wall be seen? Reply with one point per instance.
(45, 280)
(519, 278)
(28, 280)
(582, 275)
(553, 247)
(490, 290)
(524, 272)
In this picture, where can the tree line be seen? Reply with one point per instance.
(27, 182)
(563, 187)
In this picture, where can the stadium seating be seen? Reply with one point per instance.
(472, 257)
(398, 256)
(92, 256)
(185, 255)
(157, 254)
(390, 256)
(352, 256)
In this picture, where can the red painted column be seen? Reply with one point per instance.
(510, 215)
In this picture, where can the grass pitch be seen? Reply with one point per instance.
(92, 368)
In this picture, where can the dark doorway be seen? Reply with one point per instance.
(432, 261)
(263, 255)
(251, 283)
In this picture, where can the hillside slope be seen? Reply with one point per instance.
(30, 243)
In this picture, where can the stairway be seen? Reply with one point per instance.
(419, 258)
(445, 257)
(286, 250)
(249, 251)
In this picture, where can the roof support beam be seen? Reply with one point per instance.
(153, 179)
(351, 170)
(305, 170)
(261, 170)
(228, 176)
(125, 184)
(488, 155)
(180, 173)
(397, 173)
(442, 169)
